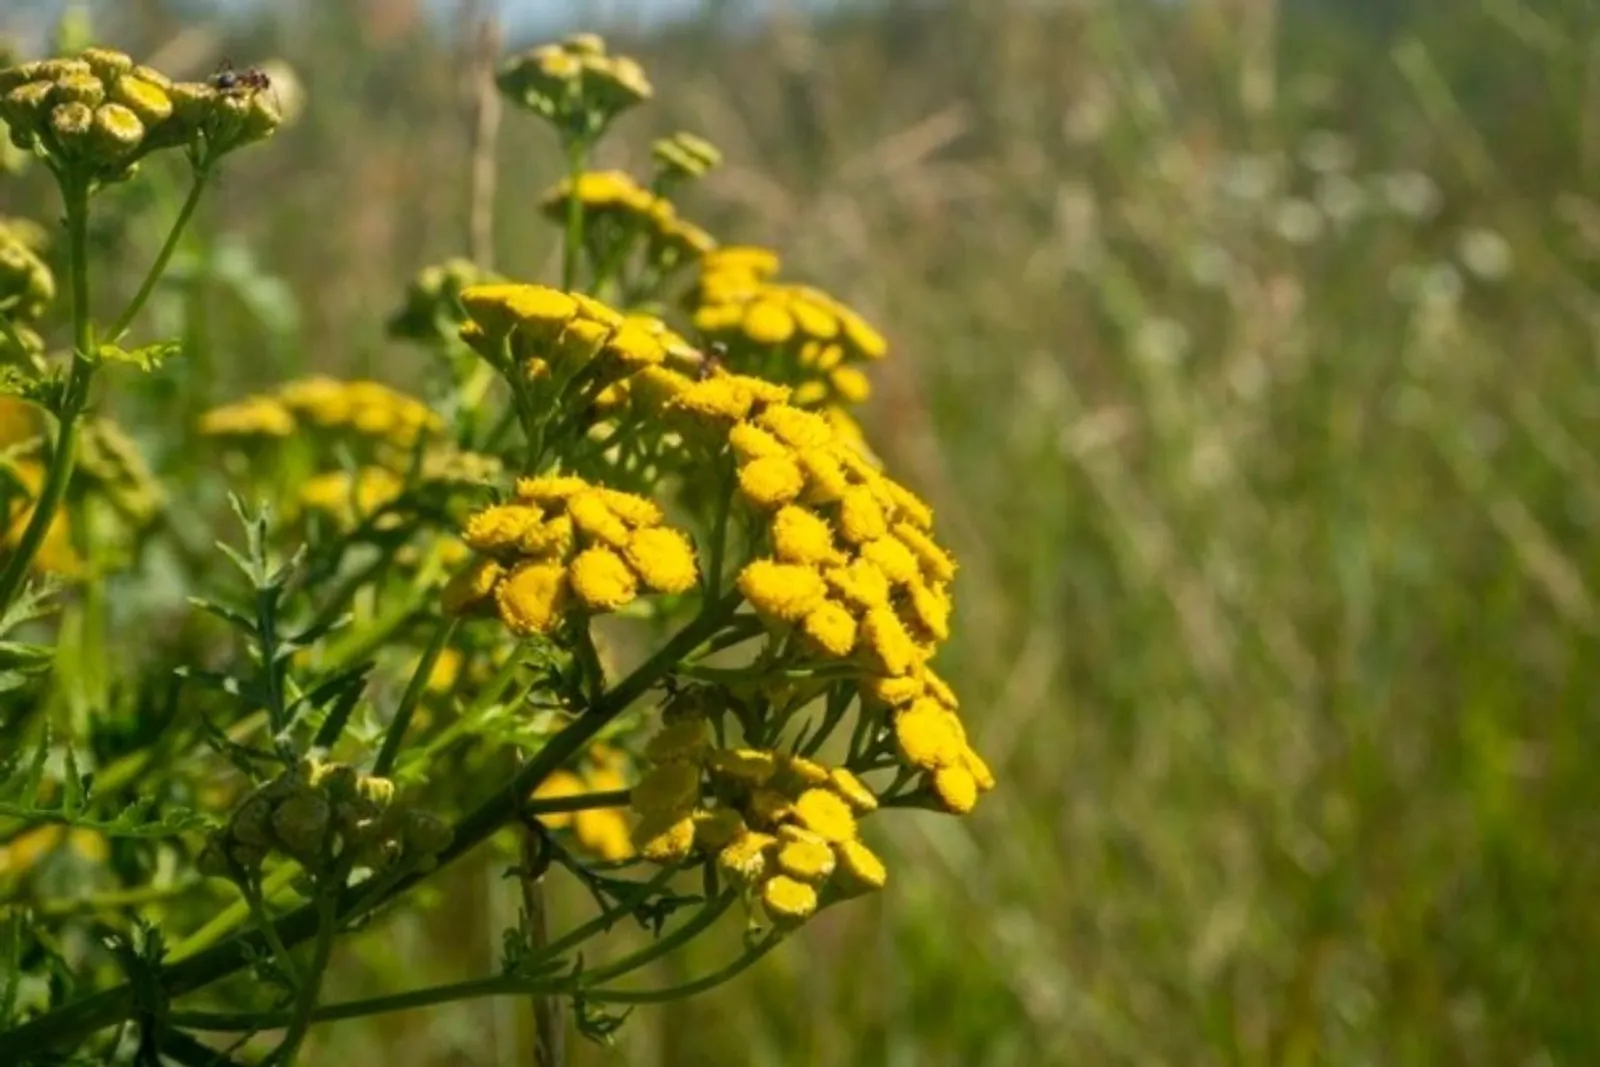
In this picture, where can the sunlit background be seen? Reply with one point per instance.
(1248, 352)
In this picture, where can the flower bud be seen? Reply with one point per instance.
(106, 63)
(145, 99)
(375, 790)
(79, 88)
(117, 133)
(301, 824)
(252, 823)
(425, 834)
(72, 124)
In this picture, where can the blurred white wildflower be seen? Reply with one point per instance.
(1484, 253)
(1248, 178)
(1089, 116)
(1160, 341)
(1327, 152)
(1435, 284)
(1411, 193)
(1212, 266)
(1298, 221)
(1340, 197)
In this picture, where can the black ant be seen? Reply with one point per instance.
(251, 79)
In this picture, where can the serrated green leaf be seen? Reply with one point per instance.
(145, 357)
(46, 390)
(228, 615)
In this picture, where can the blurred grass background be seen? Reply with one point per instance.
(1250, 353)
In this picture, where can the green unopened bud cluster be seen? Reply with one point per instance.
(322, 813)
(26, 285)
(574, 83)
(684, 156)
(98, 114)
(432, 309)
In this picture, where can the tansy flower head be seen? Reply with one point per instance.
(787, 900)
(807, 859)
(802, 536)
(532, 596)
(858, 870)
(663, 559)
(782, 591)
(825, 814)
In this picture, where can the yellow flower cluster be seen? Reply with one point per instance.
(821, 341)
(352, 497)
(113, 463)
(102, 112)
(575, 83)
(855, 570)
(602, 832)
(32, 847)
(616, 209)
(368, 408)
(550, 333)
(564, 544)
(782, 827)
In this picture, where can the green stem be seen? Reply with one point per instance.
(662, 945)
(202, 174)
(577, 148)
(235, 914)
(327, 905)
(75, 195)
(719, 536)
(688, 989)
(411, 698)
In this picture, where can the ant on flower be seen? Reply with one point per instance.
(251, 79)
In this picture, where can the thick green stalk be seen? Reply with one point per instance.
(75, 195)
(577, 148)
(327, 906)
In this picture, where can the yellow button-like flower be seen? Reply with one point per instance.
(936, 562)
(896, 691)
(884, 634)
(549, 488)
(665, 842)
(631, 508)
(782, 591)
(470, 588)
(788, 901)
(927, 737)
(771, 481)
(860, 584)
(807, 860)
(823, 813)
(502, 528)
(532, 596)
(802, 536)
(768, 322)
(859, 869)
(715, 830)
(603, 832)
(750, 442)
(750, 766)
(795, 427)
(956, 789)
(798, 772)
(663, 558)
(255, 417)
(602, 580)
(592, 517)
(500, 307)
(866, 340)
(940, 690)
(831, 628)
(861, 517)
(931, 608)
(892, 558)
(974, 765)
(850, 385)
(745, 857)
(826, 480)
(852, 790)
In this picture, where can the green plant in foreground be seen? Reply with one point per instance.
(630, 600)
